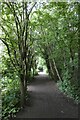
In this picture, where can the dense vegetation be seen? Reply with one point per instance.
(29, 32)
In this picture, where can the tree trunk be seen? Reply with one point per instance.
(53, 71)
(23, 89)
(56, 71)
(22, 93)
(50, 66)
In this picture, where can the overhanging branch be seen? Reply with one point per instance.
(9, 53)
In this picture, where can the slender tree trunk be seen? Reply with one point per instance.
(72, 59)
(50, 67)
(53, 71)
(54, 68)
(23, 88)
(56, 71)
(22, 93)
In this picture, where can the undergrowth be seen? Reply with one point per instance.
(72, 91)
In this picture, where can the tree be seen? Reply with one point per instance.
(15, 35)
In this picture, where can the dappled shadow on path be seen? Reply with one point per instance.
(47, 101)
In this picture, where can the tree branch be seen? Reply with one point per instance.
(9, 53)
(32, 8)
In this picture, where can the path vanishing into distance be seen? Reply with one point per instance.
(47, 101)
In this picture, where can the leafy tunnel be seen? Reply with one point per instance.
(30, 31)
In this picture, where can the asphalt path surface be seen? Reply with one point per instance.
(47, 101)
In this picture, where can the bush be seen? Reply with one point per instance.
(10, 98)
(70, 90)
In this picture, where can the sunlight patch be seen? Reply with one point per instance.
(42, 73)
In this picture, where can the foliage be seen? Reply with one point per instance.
(10, 97)
(10, 89)
(72, 91)
(50, 32)
(57, 40)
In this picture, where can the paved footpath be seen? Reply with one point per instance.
(47, 101)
